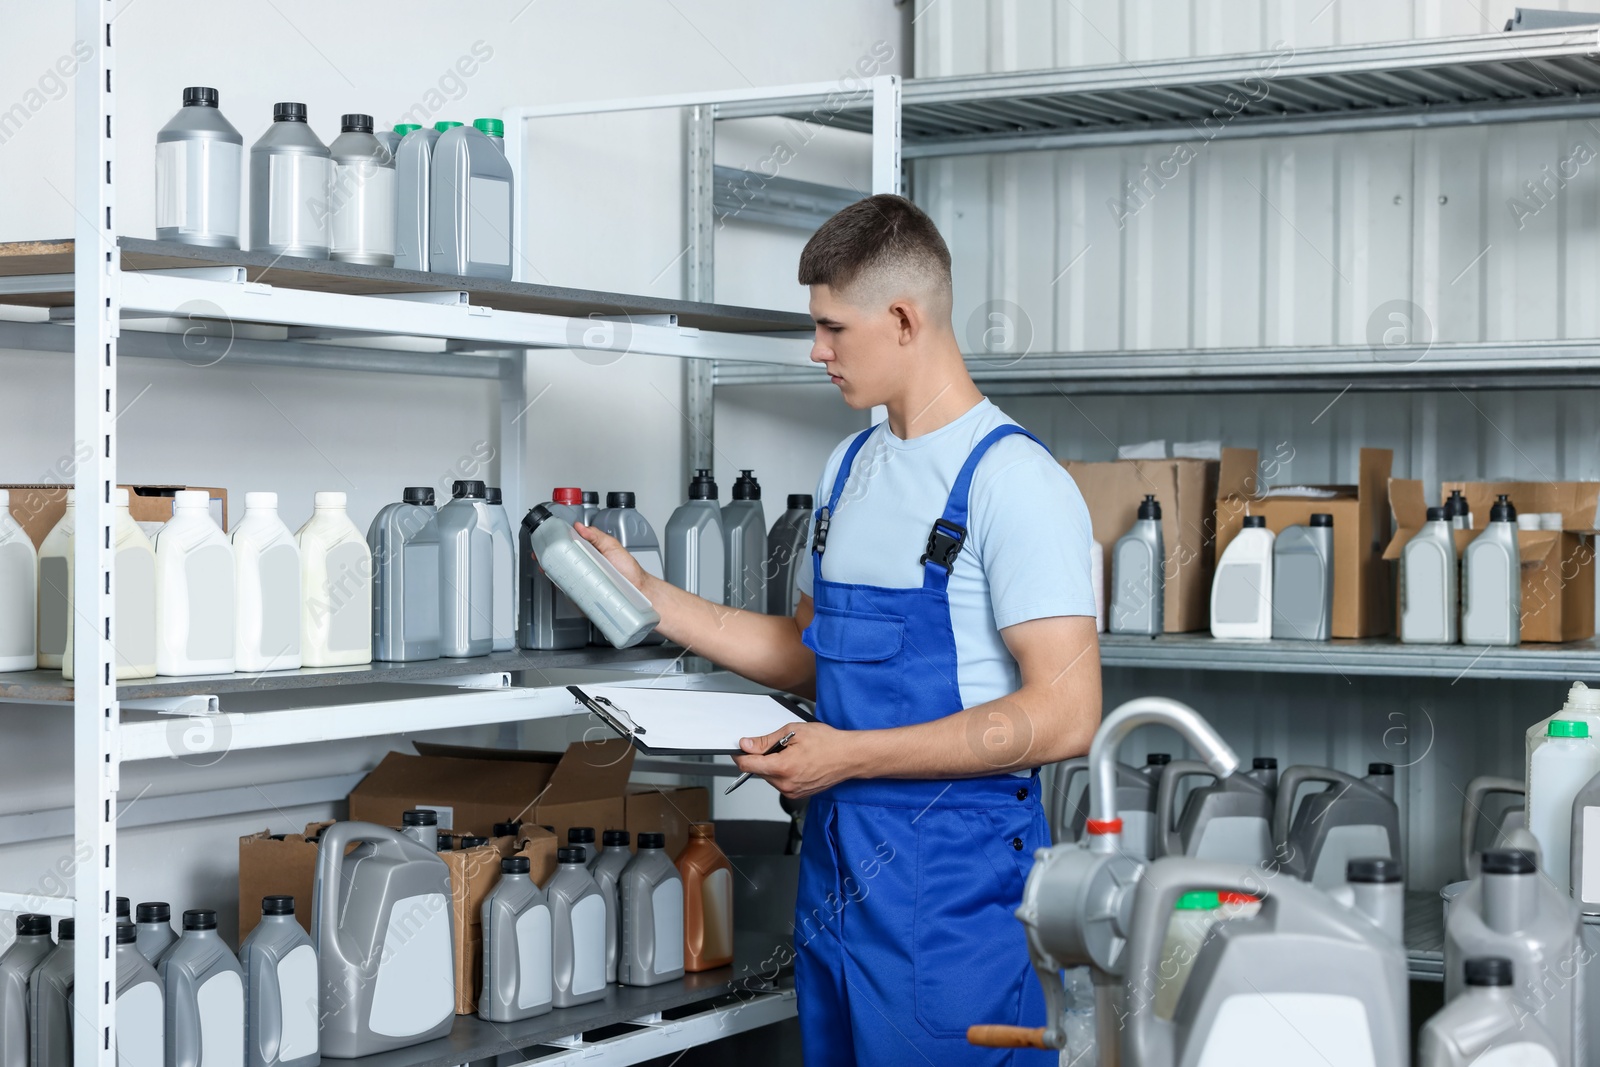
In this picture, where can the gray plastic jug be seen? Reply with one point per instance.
(422, 826)
(578, 924)
(1585, 859)
(607, 871)
(1428, 577)
(155, 931)
(50, 1004)
(744, 530)
(404, 539)
(1136, 802)
(390, 139)
(29, 950)
(505, 571)
(362, 202)
(382, 924)
(546, 617)
(1509, 910)
(204, 987)
(1138, 575)
(591, 497)
(291, 179)
(469, 219)
(623, 615)
(1513, 818)
(199, 168)
(413, 163)
(1491, 581)
(622, 520)
(466, 573)
(1302, 581)
(1353, 817)
(787, 542)
(141, 1013)
(696, 550)
(1485, 1024)
(650, 898)
(517, 950)
(280, 989)
(1227, 821)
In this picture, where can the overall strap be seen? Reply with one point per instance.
(819, 533)
(949, 531)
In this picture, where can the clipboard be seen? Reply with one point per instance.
(688, 722)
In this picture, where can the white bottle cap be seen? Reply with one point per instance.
(191, 498)
(119, 497)
(1530, 520)
(330, 500)
(1550, 520)
(1581, 698)
(261, 500)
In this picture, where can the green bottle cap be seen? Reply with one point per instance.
(442, 125)
(1202, 900)
(1567, 728)
(406, 127)
(492, 127)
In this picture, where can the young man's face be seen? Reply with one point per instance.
(859, 346)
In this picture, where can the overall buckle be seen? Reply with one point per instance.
(819, 534)
(944, 544)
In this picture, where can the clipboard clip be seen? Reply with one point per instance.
(626, 719)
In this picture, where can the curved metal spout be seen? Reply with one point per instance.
(1144, 711)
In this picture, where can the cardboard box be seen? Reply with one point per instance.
(272, 864)
(1186, 490)
(1557, 565)
(666, 810)
(153, 503)
(37, 508)
(1361, 602)
(474, 872)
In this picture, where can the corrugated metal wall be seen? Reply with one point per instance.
(1300, 241)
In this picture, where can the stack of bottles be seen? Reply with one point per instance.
(1474, 598)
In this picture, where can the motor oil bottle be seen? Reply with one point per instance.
(588, 581)
(19, 595)
(1485, 1025)
(404, 542)
(494, 129)
(1456, 513)
(591, 499)
(518, 952)
(363, 197)
(1193, 917)
(584, 837)
(195, 608)
(154, 930)
(607, 871)
(336, 587)
(1353, 818)
(622, 520)
(650, 899)
(744, 530)
(140, 1006)
(199, 166)
(134, 633)
(49, 1004)
(55, 587)
(17, 965)
(1509, 911)
(390, 140)
(546, 616)
(291, 180)
(1562, 767)
(696, 550)
(381, 921)
(1491, 582)
(1582, 703)
(1241, 590)
(466, 573)
(1428, 575)
(470, 196)
(505, 571)
(578, 925)
(204, 988)
(1227, 821)
(279, 964)
(266, 568)
(1138, 575)
(707, 901)
(413, 167)
(786, 553)
(1302, 582)
(1136, 802)
(422, 826)
(1585, 859)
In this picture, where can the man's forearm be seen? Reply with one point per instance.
(763, 648)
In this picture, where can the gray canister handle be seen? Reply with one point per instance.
(1478, 790)
(1168, 842)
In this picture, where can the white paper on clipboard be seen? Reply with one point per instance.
(687, 721)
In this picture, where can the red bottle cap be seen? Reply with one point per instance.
(567, 496)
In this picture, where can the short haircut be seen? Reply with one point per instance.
(881, 246)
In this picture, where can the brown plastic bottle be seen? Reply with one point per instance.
(707, 901)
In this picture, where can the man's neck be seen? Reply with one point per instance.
(934, 399)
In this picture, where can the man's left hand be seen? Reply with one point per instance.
(818, 757)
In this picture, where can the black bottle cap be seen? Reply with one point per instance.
(746, 488)
(580, 835)
(1322, 518)
(1255, 522)
(515, 865)
(1158, 759)
(1436, 514)
(510, 828)
(1373, 870)
(649, 840)
(491, 495)
(468, 490)
(1489, 970)
(1456, 505)
(288, 112)
(277, 904)
(124, 907)
(421, 817)
(622, 499)
(800, 500)
(703, 486)
(572, 854)
(471, 841)
(33, 925)
(1502, 510)
(536, 517)
(418, 494)
(156, 911)
(615, 839)
(64, 930)
(1264, 763)
(591, 496)
(1508, 861)
(199, 96)
(355, 124)
(127, 934)
(200, 919)
(446, 842)
(1380, 768)
(1149, 507)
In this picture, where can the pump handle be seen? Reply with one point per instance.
(1168, 841)
(1479, 790)
(1062, 816)
(995, 1035)
(1289, 784)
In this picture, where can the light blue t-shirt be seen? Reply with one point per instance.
(1027, 552)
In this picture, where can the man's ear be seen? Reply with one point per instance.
(908, 321)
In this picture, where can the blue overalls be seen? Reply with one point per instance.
(904, 932)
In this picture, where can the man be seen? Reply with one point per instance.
(947, 629)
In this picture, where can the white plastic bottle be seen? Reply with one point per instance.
(335, 587)
(266, 564)
(1241, 591)
(134, 634)
(1582, 704)
(1562, 766)
(19, 594)
(194, 591)
(55, 589)
(1428, 577)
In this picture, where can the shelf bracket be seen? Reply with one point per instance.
(485, 680)
(187, 706)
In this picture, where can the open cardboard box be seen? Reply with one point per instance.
(37, 508)
(1360, 529)
(277, 864)
(1186, 490)
(1557, 565)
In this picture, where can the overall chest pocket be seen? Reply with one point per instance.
(860, 668)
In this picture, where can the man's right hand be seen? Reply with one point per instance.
(612, 550)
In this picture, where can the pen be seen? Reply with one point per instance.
(783, 743)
